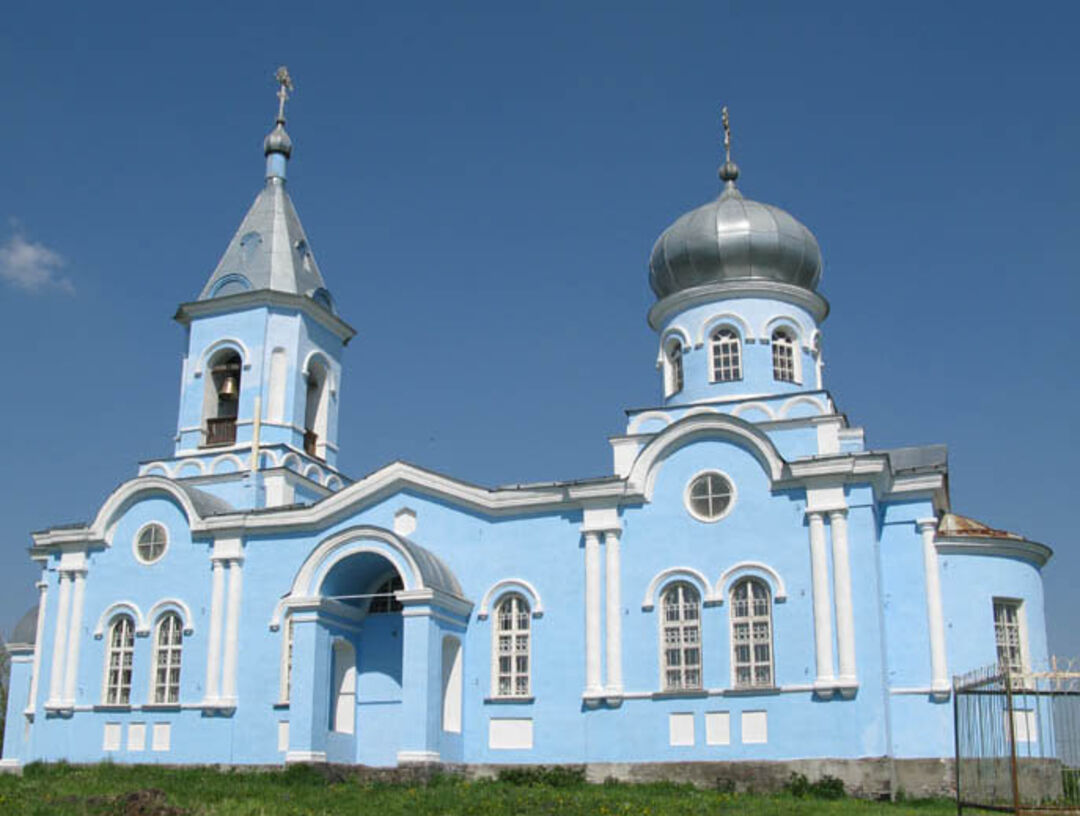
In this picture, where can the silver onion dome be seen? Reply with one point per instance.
(278, 141)
(734, 239)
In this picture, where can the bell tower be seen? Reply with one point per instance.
(261, 375)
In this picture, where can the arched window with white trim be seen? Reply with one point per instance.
(673, 367)
(680, 637)
(168, 645)
(726, 351)
(512, 647)
(119, 659)
(783, 356)
(751, 634)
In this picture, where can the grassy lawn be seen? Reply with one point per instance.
(151, 791)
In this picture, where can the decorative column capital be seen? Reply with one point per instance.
(838, 513)
(925, 524)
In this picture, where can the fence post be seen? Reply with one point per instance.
(956, 744)
(1012, 740)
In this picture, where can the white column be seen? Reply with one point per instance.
(232, 631)
(43, 597)
(56, 670)
(939, 671)
(613, 616)
(819, 569)
(71, 666)
(845, 616)
(593, 683)
(213, 657)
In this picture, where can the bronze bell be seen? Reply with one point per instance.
(230, 389)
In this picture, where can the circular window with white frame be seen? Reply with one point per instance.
(710, 496)
(151, 542)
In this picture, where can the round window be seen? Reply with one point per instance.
(150, 543)
(709, 496)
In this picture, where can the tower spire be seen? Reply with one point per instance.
(277, 147)
(729, 171)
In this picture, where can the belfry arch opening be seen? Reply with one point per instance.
(316, 409)
(221, 399)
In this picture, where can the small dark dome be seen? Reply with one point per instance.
(733, 239)
(26, 628)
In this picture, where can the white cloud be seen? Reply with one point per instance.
(32, 267)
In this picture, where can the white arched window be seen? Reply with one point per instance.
(680, 637)
(511, 648)
(168, 644)
(119, 657)
(783, 356)
(673, 368)
(751, 634)
(726, 355)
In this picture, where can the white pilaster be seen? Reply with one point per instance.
(71, 665)
(56, 670)
(232, 631)
(613, 617)
(213, 657)
(43, 597)
(819, 569)
(593, 682)
(845, 616)
(939, 670)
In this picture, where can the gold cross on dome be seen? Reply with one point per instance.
(285, 85)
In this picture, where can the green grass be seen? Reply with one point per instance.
(105, 790)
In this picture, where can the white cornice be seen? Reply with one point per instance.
(812, 302)
(1031, 551)
(265, 297)
(399, 476)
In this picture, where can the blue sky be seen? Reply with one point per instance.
(482, 184)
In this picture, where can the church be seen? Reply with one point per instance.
(751, 584)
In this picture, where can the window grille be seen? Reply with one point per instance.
(726, 356)
(152, 542)
(710, 496)
(1007, 636)
(783, 356)
(118, 661)
(751, 634)
(384, 600)
(168, 645)
(680, 630)
(290, 635)
(512, 647)
(675, 368)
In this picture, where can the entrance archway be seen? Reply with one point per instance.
(368, 612)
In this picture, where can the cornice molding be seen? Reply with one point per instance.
(1030, 551)
(187, 312)
(812, 302)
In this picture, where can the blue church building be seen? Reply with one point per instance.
(751, 583)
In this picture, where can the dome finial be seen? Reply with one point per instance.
(729, 171)
(277, 146)
(285, 84)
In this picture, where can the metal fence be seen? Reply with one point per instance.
(1018, 739)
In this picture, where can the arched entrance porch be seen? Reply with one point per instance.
(369, 615)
